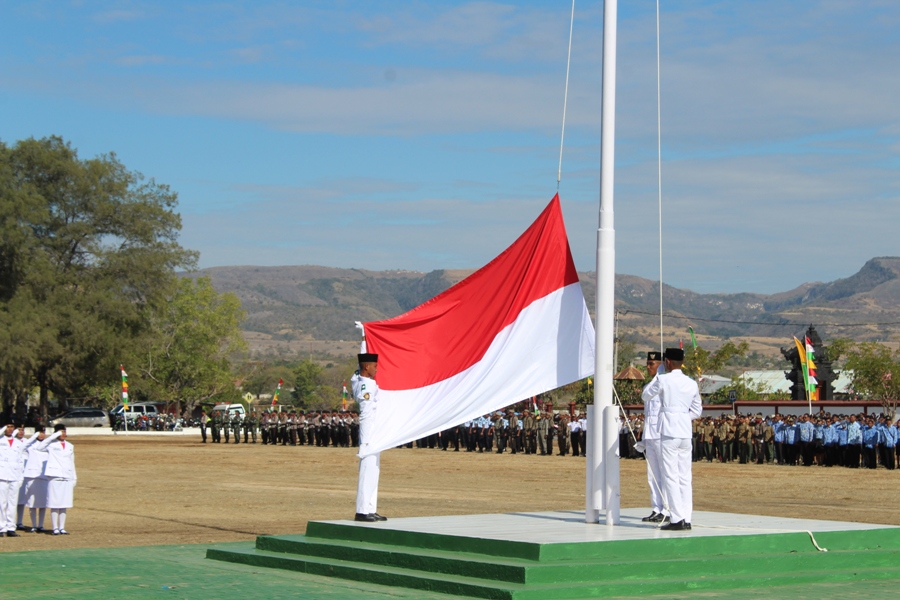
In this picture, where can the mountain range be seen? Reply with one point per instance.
(321, 303)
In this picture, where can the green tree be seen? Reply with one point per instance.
(263, 378)
(876, 373)
(307, 381)
(88, 251)
(195, 334)
(698, 361)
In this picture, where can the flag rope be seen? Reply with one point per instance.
(562, 135)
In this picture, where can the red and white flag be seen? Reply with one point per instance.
(515, 328)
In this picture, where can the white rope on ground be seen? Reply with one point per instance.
(562, 135)
(812, 538)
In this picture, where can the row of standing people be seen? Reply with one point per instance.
(286, 428)
(36, 473)
(516, 432)
(821, 439)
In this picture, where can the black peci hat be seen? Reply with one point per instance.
(367, 358)
(654, 355)
(676, 354)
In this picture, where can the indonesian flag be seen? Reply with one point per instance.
(515, 328)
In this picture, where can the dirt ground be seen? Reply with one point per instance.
(146, 491)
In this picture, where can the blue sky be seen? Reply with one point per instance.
(425, 135)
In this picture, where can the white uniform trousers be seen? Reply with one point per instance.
(8, 489)
(653, 456)
(676, 466)
(367, 489)
(12, 500)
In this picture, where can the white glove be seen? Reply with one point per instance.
(362, 329)
(639, 446)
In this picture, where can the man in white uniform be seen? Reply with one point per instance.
(9, 456)
(650, 440)
(679, 404)
(365, 390)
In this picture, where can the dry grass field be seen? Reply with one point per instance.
(137, 491)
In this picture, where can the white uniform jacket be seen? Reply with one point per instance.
(35, 463)
(365, 391)
(60, 458)
(9, 457)
(651, 411)
(679, 403)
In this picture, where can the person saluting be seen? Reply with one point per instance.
(679, 404)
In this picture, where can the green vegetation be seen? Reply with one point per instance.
(88, 255)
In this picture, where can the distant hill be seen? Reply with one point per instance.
(321, 303)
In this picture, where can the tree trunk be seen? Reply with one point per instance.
(44, 401)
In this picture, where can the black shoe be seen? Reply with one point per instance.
(21, 528)
(659, 518)
(678, 526)
(687, 526)
(365, 518)
(652, 518)
(378, 517)
(12, 534)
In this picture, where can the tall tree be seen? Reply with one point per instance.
(876, 373)
(88, 251)
(195, 333)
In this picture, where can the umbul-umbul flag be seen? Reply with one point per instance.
(515, 328)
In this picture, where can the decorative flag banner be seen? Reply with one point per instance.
(515, 328)
(124, 387)
(801, 352)
(277, 392)
(344, 396)
(812, 383)
(693, 338)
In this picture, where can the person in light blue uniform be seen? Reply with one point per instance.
(830, 439)
(819, 442)
(887, 443)
(854, 442)
(844, 442)
(778, 428)
(790, 442)
(869, 443)
(805, 434)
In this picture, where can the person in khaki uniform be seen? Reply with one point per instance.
(513, 432)
(530, 427)
(743, 436)
(727, 440)
(543, 430)
(563, 434)
(709, 432)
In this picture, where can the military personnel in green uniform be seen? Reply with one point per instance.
(214, 427)
(226, 425)
(236, 427)
(250, 424)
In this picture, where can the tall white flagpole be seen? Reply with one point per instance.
(602, 477)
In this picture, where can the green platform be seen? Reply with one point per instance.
(556, 555)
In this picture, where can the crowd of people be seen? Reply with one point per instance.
(36, 473)
(820, 439)
(509, 431)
